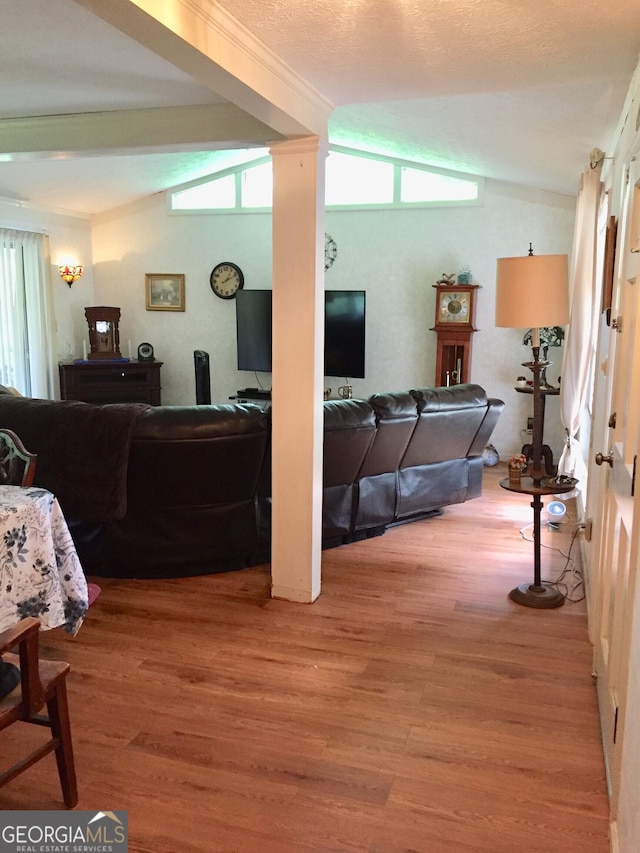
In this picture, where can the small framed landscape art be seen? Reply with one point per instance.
(164, 291)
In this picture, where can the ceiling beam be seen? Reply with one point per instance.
(202, 128)
(205, 41)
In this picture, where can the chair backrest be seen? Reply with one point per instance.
(42, 683)
(17, 465)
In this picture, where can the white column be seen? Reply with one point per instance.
(297, 380)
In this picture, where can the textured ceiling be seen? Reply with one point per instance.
(383, 50)
(515, 91)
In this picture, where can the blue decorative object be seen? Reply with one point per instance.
(100, 361)
(464, 276)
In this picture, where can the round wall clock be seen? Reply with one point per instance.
(330, 251)
(226, 280)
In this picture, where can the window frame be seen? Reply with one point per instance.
(396, 204)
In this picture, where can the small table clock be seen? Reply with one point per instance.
(104, 335)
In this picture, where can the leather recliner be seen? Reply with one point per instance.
(191, 495)
(437, 467)
(349, 429)
(396, 419)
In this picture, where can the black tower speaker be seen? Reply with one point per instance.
(203, 380)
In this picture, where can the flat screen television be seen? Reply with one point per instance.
(253, 330)
(344, 331)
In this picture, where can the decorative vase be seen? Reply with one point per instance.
(515, 475)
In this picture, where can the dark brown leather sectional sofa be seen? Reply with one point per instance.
(400, 456)
(172, 491)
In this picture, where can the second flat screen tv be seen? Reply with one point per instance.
(253, 330)
(344, 331)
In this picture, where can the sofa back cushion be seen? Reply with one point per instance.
(449, 420)
(82, 450)
(197, 455)
(349, 428)
(396, 418)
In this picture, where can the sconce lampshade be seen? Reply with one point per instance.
(70, 274)
(532, 291)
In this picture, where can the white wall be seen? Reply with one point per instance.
(396, 256)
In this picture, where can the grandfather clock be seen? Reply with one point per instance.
(455, 317)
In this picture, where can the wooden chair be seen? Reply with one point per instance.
(42, 682)
(17, 465)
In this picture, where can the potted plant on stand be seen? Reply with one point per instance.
(550, 336)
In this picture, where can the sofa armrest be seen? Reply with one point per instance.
(486, 428)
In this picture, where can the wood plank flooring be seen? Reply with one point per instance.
(412, 709)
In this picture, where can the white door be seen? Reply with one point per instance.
(615, 552)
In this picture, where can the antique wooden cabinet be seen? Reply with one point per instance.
(111, 382)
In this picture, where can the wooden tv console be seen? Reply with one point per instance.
(111, 381)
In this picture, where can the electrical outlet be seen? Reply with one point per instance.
(587, 528)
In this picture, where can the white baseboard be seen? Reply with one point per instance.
(613, 837)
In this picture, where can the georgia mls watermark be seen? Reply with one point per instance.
(63, 832)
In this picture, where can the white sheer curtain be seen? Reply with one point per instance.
(584, 290)
(26, 314)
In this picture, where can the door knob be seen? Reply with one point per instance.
(600, 458)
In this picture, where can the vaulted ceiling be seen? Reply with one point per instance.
(520, 92)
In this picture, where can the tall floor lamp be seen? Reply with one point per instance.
(533, 291)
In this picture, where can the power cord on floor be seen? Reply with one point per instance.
(570, 571)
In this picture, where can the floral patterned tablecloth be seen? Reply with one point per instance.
(40, 573)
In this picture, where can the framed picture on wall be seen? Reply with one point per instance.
(164, 291)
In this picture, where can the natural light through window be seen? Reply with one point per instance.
(357, 180)
(354, 179)
(419, 185)
(257, 186)
(220, 193)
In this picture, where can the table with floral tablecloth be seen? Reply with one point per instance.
(40, 573)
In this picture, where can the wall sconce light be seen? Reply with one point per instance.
(70, 274)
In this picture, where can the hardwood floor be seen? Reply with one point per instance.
(413, 707)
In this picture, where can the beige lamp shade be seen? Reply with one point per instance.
(532, 291)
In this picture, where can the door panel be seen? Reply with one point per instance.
(616, 549)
